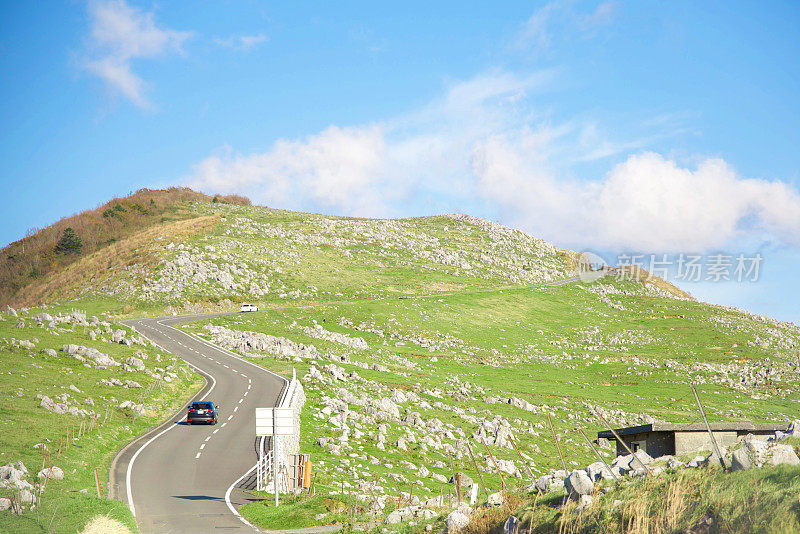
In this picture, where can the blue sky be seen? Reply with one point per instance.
(617, 127)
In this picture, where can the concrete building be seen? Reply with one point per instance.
(659, 439)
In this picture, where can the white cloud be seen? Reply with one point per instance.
(241, 42)
(602, 16)
(481, 148)
(560, 19)
(647, 203)
(339, 167)
(121, 33)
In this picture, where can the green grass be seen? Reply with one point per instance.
(295, 512)
(757, 500)
(27, 372)
(536, 344)
(487, 330)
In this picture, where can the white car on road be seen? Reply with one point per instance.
(248, 308)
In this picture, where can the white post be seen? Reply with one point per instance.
(275, 453)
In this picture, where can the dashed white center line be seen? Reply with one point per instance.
(203, 446)
(236, 409)
(208, 438)
(245, 393)
(240, 401)
(198, 456)
(223, 425)
(249, 386)
(229, 418)
(214, 432)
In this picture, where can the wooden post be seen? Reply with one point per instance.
(530, 473)
(598, 454)
(452, 469)
(60, 443)
(97, 482)
(458, 487)
(502, 480)
(399, 493)
(620, 440)
(480, 477)
(558, 445)
(708, 427)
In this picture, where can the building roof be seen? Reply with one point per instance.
(741, 426)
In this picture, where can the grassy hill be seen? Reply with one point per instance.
(429, 334)
(71, 409)
(27, 263)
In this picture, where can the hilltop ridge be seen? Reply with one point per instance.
(177, 247)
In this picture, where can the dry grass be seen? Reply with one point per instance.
(102, 524)
(107, 261)
(697, 501)
(32, 258)
(486, 520)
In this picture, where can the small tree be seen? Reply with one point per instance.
(70, 242)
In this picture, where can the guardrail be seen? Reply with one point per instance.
(294, 397)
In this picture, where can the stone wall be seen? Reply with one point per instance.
(295, 399)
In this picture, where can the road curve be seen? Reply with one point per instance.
(180, 478)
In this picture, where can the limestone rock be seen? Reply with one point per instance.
(455, 521)
(578, 483)
(784, 455)
(51, 472)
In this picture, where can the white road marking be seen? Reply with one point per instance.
(203, 446)
(236, 409)
(229, 418)
(208, 438)
(233, 510)
(240, 401)
(214, 432)
(261, 369)
(198, 456)
(245, 393)
(128, 489)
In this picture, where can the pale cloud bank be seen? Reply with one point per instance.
(482, 143)
(120, 34)
(242, 43)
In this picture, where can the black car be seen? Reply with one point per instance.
(202, 412)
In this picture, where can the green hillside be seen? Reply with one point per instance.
(418, 337)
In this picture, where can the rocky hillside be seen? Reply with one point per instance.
(29, 266)
(401, 392)
(219, 251)
(426, 346)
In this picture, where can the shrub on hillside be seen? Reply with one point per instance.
(70, 242)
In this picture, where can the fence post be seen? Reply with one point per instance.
(525, 463)
(598, 454)
(621, 441)
(502, 480)
(708, 427)
(480, 476)
(558, 445)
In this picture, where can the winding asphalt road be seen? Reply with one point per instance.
(189, 479)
